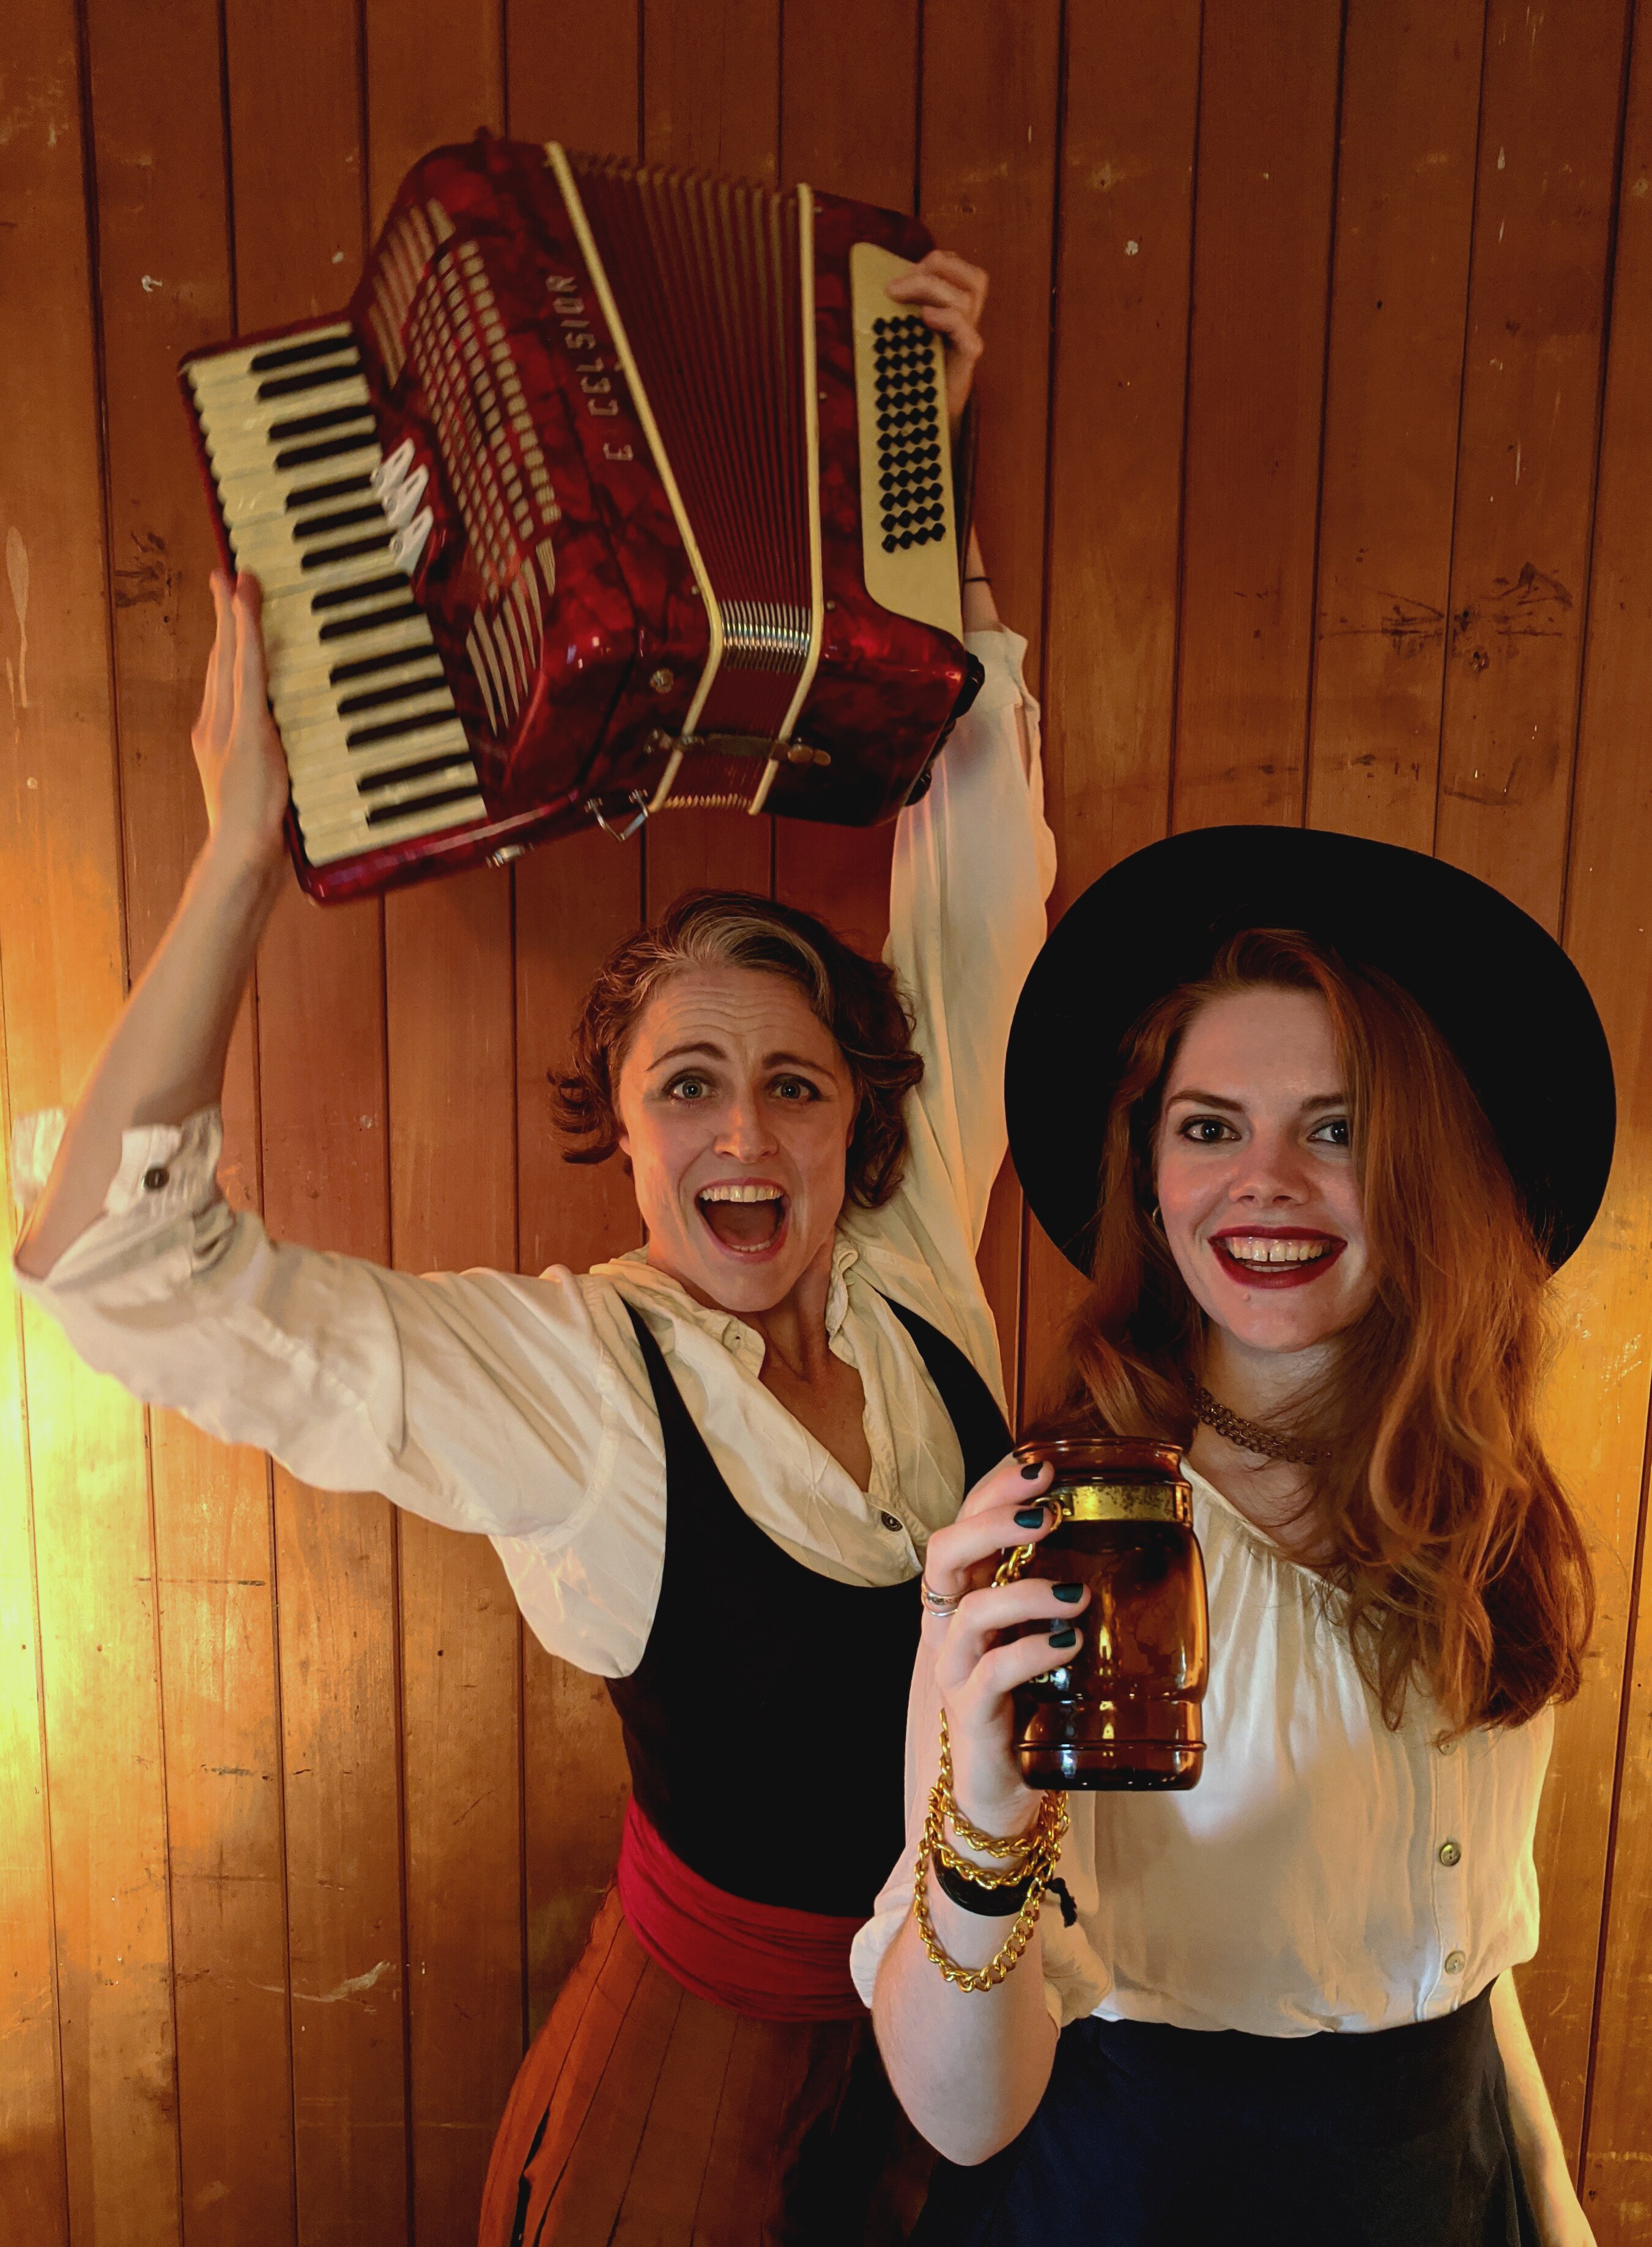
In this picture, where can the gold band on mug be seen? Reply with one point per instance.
(1125, 1501)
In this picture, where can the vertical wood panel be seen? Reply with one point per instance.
(434, 73)
(1405, 207)
(1119, 403)
(1600, 1396)
(576, 77)
(165, 288)
(61, 939)
(294, 104)
(1531, 405)
(33, 2186)
(1267, 137)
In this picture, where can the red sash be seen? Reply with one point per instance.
(760, 1959)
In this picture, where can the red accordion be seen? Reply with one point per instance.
(613, 491)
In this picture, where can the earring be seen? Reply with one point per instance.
(1156, 1217)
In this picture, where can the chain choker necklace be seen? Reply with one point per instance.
(1250, 1436)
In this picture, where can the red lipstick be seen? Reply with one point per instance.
(1299, 1273)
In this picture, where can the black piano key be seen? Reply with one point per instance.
(422, 769)
(265, 362)
(351, 551)
(346, 519)
(368, 737)
(347, 627)
(382, 814)
(337, 596)
(300, 456)
(317, 494)
(380, 698)
(312, 425)
(288, 385)
(363, 666)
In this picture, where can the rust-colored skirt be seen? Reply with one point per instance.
(646, 2117)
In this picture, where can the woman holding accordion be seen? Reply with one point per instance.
(711, 1467)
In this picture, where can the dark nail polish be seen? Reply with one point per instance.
(1033, 1473)
(1069, 1592)
(1031, 1517)
(1068, 1638)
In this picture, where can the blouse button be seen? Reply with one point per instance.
(890, 1520)
(1455, 1961)
(1450, 1853)
(155, 1179)
(1447, 1747)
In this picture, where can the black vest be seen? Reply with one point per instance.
(766, 1723)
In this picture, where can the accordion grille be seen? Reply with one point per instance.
(706, 276)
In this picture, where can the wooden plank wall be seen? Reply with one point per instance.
(1318, 474)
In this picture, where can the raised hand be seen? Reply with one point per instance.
(243, 774)
(951, 294)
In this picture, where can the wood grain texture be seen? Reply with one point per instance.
(1405, 207)
(1267, 141)
(299, 189)
(1550, 109)
(1599, 1399)
(34, 2202)
(574, 73)
(164, 256)
(61, 939)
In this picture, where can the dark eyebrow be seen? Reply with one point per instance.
(1237, 1107)
(682, 1053)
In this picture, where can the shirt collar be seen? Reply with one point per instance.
(636, 1272)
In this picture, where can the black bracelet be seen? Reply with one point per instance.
(977, 581)
(987, 1903)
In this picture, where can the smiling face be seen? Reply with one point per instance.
(1254, 1172)
(736, 1107)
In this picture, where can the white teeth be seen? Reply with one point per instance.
(740, 1193)
(1260, 1249)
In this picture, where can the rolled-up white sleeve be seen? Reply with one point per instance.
(1076, 1979)
(477, 1399)
(974, 861)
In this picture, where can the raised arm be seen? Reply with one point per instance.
(164, 1059)
(973, 864)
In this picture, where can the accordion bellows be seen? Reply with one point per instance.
(613, 491)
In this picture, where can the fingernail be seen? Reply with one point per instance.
(1031, 1517)
(1033, 1473)
(1068, 1638)
(1069, 1592)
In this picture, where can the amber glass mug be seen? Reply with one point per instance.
(1124, 1713)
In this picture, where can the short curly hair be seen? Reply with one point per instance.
(857, 1000)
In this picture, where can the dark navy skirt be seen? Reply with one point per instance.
(1151, 2136)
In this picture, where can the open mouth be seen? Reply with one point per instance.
(1290, 1258)
(748, 1219)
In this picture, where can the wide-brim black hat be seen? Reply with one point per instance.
(1502, 993)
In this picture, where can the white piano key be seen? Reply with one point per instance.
(247, 415)
(409, 794)
(226, 369)
(316, 753)
(299, 694)
(351, 842)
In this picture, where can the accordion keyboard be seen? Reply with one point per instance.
(374, 746)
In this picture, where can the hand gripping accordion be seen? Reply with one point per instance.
(613, 490)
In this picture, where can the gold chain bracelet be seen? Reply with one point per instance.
(1039, 1850)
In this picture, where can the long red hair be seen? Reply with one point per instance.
(1462, 1566)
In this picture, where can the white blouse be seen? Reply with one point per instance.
(520, 1407)
(1325, 1873)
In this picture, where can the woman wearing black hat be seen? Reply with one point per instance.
(1318, 1117)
